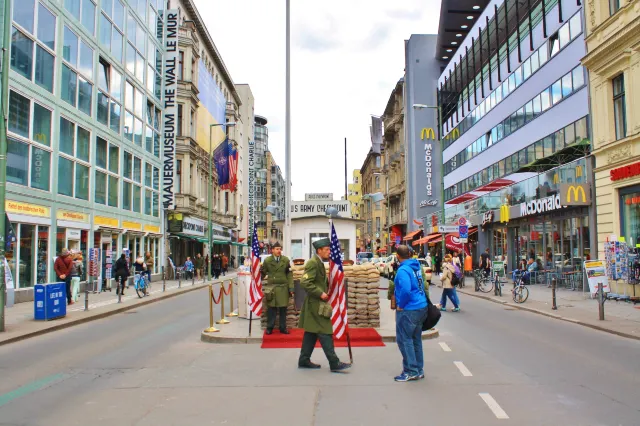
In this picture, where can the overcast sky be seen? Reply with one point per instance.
(346, 57)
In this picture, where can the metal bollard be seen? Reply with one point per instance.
(601, 300)
(179, 280)
(232, 312)
(164, 281)
(222, 320)
(553, 294)
(119, 289)
(211, 328)
(193, 278)
(86, 294)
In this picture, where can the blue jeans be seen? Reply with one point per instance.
(452, 295)
(409, 339)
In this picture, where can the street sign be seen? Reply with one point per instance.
(444, 229)
(463, 233)
(462, 221)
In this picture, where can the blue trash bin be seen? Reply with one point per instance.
(49, 301)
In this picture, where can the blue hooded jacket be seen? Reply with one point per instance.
(409, 291)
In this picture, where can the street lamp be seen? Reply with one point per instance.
(439, 112)
(211, 126)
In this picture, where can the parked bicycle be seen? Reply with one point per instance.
(520, 292)
(497, 284)
(483, 282)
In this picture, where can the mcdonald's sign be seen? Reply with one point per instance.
(575, 194)
(504, 213)
(427, 133)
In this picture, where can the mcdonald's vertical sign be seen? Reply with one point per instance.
(504, 213)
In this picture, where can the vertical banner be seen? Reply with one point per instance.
(252, 181)
(170, 113)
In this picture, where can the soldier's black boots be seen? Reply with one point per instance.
(340, 367)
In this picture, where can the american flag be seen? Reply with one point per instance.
(255, 290)
(336, 287)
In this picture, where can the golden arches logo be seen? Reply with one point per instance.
(576, 191)
(427, 133)
(504, 213)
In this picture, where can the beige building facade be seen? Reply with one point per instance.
(613, 61)
(374, 213)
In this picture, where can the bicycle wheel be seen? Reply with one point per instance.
(485, 285)
(140, 288)
(498, 285)
(520, 294)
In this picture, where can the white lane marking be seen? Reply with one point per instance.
(445, 347)
(493, 406)
(463, 369)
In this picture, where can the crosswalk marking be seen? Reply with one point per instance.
(463, 369)
(445, 347)
(493, 406)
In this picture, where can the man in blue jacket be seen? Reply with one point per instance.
(411, 311)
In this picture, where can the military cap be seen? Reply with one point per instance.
(325, 242)
(276, 245)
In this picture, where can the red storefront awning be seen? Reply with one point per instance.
(410, 235)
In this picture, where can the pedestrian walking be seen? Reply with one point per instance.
(437, 262)
(225, 264)
(62, 267)
(216, 264)
(199, 265)
(411, 311)
(449, 285)
(121, 272)
(277, 288)
(315, 315)
(188, 268)
(76, 273)
(485, 262)
(148, 260)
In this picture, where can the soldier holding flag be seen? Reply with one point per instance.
(316, 313)
(277, 288)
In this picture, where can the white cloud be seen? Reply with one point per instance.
(346, 57)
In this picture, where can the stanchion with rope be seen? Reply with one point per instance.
(232, 312)
(223, 292)
(211, 328)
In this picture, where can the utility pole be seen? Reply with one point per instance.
(287, 134)
(3, 148)
(346, 193)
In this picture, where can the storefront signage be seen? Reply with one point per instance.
(541, 206)
(487, 217)
(131, 225)
(24, 208)
(152, 229)
(625, 172)
(72, 216)
(504, 213)
(575, 194)
(597, 274)
(428, 134)
(106, 221)
(73, 234)
(315, 208)
(170, 113)
(175, 222)
(220, 233)
(318, 197)
(193, 226)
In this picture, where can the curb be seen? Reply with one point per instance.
(550, 315)
(78, 321)
(216, 338)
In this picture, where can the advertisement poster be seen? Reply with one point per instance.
(597, 273)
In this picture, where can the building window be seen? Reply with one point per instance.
(109, 95)
(77, 72)
(136, 37)
(614, 6)
(619, 113)
(181, 65)
(377, 161)
(33, 46)
(112, 27)
(377, 224)
(28, 154)
(379, 205)
(377, 182)
(134, 101)
(179, 132)
(152, 136)
(179, 178)
(132, 183)
(107, 167)
(73, 163)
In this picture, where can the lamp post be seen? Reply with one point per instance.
(211, 126)
(287, 133)
(439, 112)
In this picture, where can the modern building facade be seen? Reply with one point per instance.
(613, 60)
(276, 197)
(207, 98)
(395, 167)
(373, 213)
(84, 125)
(515, 121)
(260, 203)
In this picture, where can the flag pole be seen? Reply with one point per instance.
(250, 321)
(346, 301)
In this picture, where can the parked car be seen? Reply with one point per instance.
(391, 266)
(381, 264)
(426, 268)
(363, 257)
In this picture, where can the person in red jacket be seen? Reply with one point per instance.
(62, 266)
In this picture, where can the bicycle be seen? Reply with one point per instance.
(497, 284)
(483, 282)
(520, 292)
(140, 284)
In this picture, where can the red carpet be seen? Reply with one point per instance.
(360, 338)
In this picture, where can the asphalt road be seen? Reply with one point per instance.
(492, 365)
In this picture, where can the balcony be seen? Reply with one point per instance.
(399, 218)
(228, 220)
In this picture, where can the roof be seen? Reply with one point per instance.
(454, 14)
(392, 97)
(208, 41)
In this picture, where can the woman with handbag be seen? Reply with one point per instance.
(448, 285)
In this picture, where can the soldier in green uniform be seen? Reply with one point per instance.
(277, 288)
(315, 316)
